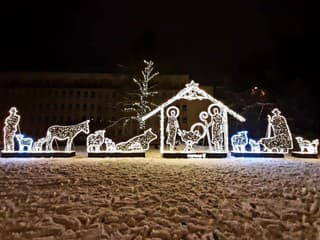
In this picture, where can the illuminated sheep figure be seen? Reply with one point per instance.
(239, 141)
(254, 145)
(24, 142)
(307, 146)
(38, 145)
(95, 141)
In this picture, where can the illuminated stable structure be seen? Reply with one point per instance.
(211, 130)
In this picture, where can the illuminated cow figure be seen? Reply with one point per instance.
(239, 141)
(24, 142)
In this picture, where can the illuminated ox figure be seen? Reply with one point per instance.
(65, 133)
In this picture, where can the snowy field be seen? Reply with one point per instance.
(155, 198)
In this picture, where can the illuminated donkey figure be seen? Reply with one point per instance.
(65, 133)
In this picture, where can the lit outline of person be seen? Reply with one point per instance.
(172, 126)
(216, 127)
(11, 124)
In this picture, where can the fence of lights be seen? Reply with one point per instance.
(98, 143)
(27, 145)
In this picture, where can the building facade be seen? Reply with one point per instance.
(45, 98)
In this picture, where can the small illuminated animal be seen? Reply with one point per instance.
(24, 142)
(239, 141)
(65, 133)
(37, 145)
(254, 145)
(308, 146)
(95, 141)
(137, 143)
(110, 145)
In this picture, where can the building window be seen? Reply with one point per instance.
(93, 94)
(85, 94)
(78, 94)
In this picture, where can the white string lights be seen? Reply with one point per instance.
(213, 125)
(137, 144)
(11, 124)
(65, 133)
(279, 138)
(307, 146)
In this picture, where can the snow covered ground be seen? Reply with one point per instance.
(155, 198)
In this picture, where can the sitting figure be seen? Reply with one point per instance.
(95, 141)
(254, 145)
(308, 146)
(24, 142)
(239, 141)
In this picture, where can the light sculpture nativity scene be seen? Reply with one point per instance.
(277, 142)
(100, 146)
(43, 147)
(206, 138)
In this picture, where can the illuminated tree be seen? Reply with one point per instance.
(140, 105)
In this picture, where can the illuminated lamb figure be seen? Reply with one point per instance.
(65, 133)
(239, 141)
(24, 142)
(278, 137)
(254, 146)
(307, 146)
(38, 145)
(95, 141)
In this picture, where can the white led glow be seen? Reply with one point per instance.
(95, 141)
(38, 145)
(138, 143)
(279, 138)
(172, 126)
(215, 121)
(239, 141)
(110, 145)
(308, 147)
(65, 133)
(193, 136)
(25, 144)
(254, 146)
(11, 124)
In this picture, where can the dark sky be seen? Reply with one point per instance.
(206, 39)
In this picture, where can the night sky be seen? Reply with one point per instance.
(267, 43)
